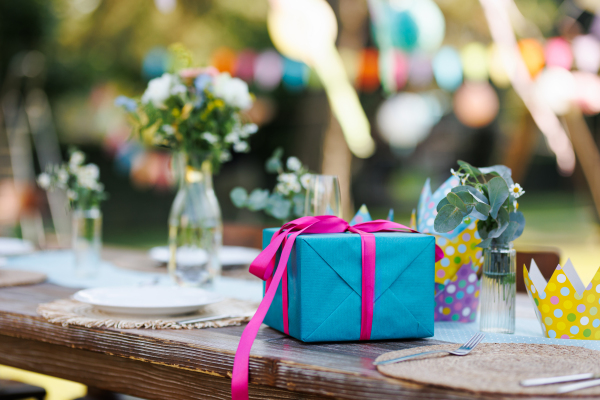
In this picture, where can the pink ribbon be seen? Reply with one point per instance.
(264, 265)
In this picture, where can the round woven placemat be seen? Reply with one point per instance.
(9, 277)
(72, 312)
(495, 367)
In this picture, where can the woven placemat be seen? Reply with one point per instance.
(72, 312)
(495, 367)
(10, 277)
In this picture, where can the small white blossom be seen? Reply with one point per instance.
(282, 188)
(76, 159)
(516, 190)
(289, 183)
(210, 137)
(456, 173)
(233, 91)
(293, 164)
(72, 195)
(241, 147)
(232, 137)
(225, 156)
(63, 176)
(44, 181)
(463, 180)
(87, 176)
(305, 180)
(247, 130)
(168, 129)
(160, 89)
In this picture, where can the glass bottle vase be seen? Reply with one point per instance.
(195, 227)
(498, 289)
(86, 241)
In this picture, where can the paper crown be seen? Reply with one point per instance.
(459, 245)
(458, 299)
(363, 215)
(565, 308)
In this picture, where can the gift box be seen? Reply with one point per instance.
(324, 286)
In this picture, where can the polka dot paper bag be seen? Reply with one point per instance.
(456, 282)
(565, 308)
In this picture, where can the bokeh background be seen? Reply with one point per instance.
(429, 76)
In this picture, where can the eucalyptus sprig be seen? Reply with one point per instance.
(287, 198)
(488, 195)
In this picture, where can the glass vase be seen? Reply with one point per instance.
(87, 241)
(498, 289)
(195, 226)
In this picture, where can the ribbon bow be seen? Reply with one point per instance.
(264, 265)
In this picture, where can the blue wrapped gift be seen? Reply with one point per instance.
(324, 287)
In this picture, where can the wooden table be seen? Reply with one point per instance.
(193, 364)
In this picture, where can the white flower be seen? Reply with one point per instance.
(225, 156)
(305, 180)
(293, 164)
(168, 129)
(210, 137)
(63, 176)
(160, 89)
(44, 181)
(233, 91)
(288, 183)
(516, 190)
(88, 175)
(241, 147)
(247, 130)
(463, 180)
(77, 158)
(456, 173)
(232, 137)
(282, 188)
(72, 195)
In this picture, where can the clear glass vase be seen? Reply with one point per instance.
(87, 241)
(498, 289)
(195, 226)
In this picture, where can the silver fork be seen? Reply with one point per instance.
(461, 351)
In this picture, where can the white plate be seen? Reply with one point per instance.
(14, 247)
(147, 300)
(229, 255)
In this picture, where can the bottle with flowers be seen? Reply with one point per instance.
(198, 113)
(85, 193)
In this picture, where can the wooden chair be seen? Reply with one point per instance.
(12, 390)
(546, 258)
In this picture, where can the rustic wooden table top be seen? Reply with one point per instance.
(194, 364)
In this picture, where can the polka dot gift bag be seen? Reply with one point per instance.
(456, 282)
(565, 308)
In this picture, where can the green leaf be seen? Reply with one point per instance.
(278, 206)
(483, 209)
(469, 169)
(501, 170)
(274, 163)
(466, 197)
(474, 192)
(519, 218)
(298, 201)
(258, 199)
(484, 244)
(448, 218)
(482, 228)
(508, 233)
(442, 203)
(239, 197)
(456, 202)
(498, 193)
(501, 223)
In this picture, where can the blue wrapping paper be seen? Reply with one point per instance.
(324, 287)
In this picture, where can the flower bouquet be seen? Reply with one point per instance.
(198, 113)
(85, 193)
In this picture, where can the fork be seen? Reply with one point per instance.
(461, 351)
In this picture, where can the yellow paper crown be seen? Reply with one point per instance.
(565, 308)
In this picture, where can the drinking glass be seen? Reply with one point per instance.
(323, 196)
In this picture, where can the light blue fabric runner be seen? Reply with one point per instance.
(58, 265)
(526, 331)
